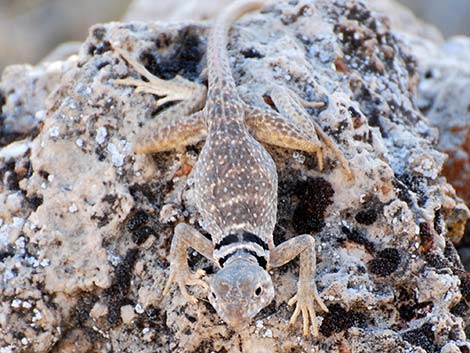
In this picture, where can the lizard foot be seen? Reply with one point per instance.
(176, 89)
(304, 300)
(185, 278)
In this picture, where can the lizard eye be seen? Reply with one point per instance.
(213, 295)
(258, 291)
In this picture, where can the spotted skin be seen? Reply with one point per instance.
(235, 182)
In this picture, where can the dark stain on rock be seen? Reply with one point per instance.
(292, 18)
(183, 59)
(422, 337)
(251, 53)
(464, 277)
(208, 346)
(35, 201)
(151, 192)
(154, 318)
(316, 195)
(338, 320)
(116, 294)
(3, 100)
(367, 216)
(355, 236)
(438, 221)
(163, 41)
(98, 32)
(417, 185)
(140, 236)
(358, 12)
(8, 176)
(436, 260)
(426, 237)
(402, 192)
(81, 312)
(10, 180)
(101, 220)
(109, 198)
(190, 318)
(409, 312)
(451, 254)
(354, 113)
(102, 64)
(101, 153)
(462, 309)
(136, 219)
(464, 349)
(102, 48)
(386, 262)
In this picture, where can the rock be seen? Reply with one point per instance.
(127, 314)
(81, 238)
(442, 96)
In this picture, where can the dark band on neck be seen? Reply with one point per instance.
(229, 239)
(261, 260)
(241, 237)
(253, 238)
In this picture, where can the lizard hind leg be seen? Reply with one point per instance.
(176, 89)
(177, 126)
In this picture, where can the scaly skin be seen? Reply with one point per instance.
(235, 182)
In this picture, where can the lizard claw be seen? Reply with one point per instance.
(185, 278)
(304, 300)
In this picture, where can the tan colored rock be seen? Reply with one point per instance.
(99, 310)
(127, 314)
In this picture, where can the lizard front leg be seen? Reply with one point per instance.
(176, 89)
(171, 131)
(187, 237)
(307, 294)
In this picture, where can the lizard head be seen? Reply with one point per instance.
(240, 290)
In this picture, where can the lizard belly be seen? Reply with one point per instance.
(236, 187)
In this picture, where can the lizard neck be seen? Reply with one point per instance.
(241, 246)
(220, 73)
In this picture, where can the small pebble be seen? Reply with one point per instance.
(73, 208)
(101, 135)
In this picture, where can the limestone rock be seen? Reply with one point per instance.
(86, 224)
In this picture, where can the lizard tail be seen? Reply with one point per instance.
(217, 56)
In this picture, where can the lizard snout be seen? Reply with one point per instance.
(234, 315)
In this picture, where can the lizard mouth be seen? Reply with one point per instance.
(234, 316)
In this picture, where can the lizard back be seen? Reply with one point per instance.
(235, 177)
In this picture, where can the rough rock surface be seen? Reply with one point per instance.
(86, 224)
(444, 96)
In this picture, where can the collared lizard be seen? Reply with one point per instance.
(235, 181)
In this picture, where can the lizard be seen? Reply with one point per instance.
(235, 182)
